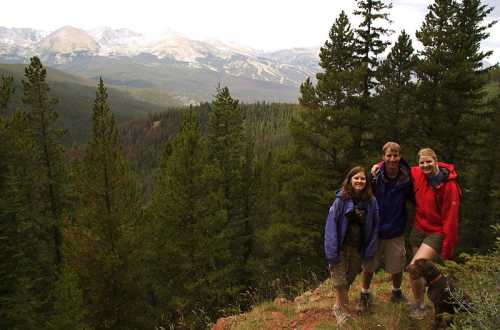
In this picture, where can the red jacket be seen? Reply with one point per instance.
(437, 209)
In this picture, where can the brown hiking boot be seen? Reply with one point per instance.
(364, 303)
(397, 297)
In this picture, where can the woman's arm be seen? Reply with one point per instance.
(371, 247)
(331, 234)
(450, 213)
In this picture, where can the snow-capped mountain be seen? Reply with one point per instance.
(67, 40)
(18, 43)
(190, 68)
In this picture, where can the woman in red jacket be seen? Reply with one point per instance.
(437, 203)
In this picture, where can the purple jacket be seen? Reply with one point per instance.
(336, 228)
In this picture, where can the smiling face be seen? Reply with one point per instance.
(391, 160)
(428, 165)
(358, 182)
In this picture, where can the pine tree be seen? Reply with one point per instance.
(104, 240)
(27, 263)
(395, 101)
(452, 109)
(6, 91)
(369, 43)
(450, 79)
(49, 152)
(32, 195)
(308, 96)
(327, 134)
(481, 207)
(227, 153)
(189, 231)
(69, 308)
(340, 80)
(329, 129)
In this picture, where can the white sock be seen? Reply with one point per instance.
(363, 290)
(396, 289)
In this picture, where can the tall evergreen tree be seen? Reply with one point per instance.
(6, 90)
(452, 108)
(32, 195)
(28, 268)
(326, 136)
(104, 241)
(339, 81)
(49, 153)
(450, 79)
(69, 307)
(369, 43)
(481, 206)
(226, 147)
(395, 100)
(189, 232)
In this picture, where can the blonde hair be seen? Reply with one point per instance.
(427, 152)
(392, 146)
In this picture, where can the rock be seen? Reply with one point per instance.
(280, 301)
(224, 323)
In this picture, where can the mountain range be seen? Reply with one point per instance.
(188, 69)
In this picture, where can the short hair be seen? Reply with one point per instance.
(393, 146)
(427, 152)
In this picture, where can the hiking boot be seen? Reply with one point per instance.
(417, 312)
(363, 303)
(340, 315)
(397, 297)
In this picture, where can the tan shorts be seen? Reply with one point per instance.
(434, 240)
(392, 253)
(344, 272)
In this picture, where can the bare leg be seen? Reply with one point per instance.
(342, 297)
(418, 285)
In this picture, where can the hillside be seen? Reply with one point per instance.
(476, 275)
(313, 310)
(76, 96)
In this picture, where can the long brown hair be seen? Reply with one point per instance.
(347, 191)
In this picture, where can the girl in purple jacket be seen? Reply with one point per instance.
(351, 235)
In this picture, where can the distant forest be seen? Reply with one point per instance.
(191, 214)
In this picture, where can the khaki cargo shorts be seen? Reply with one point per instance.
(392, 253)
(345, 271)
(418, 237)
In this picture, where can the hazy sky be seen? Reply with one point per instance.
(262, 24)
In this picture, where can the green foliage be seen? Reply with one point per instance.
(32, 195)
(189, 230)
(74, 94)
(369, 43)
(450, 83)
(455, 116)
(341, 78)
(69, 308)
(479, 277)
(6, 90)
(104, 240)
(48, 152)
(226, 147)
(241, 190)
(395, 100)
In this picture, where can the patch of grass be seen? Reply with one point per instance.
(264, 315)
